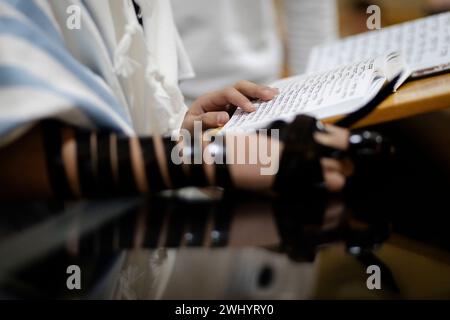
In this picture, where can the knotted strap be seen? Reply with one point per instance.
(300, 168)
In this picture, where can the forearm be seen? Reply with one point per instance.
(23, 171)
(68, 164)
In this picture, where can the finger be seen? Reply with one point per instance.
(344, 167)
(348, 167)
(334, 181)
(188, 122)
(254, 90)
(212, 120)
(334, 137)
(331, 164)
(210, 102)
(230, 96)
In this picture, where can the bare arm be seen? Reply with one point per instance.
(67, 163)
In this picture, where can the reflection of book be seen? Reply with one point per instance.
(323, 94)
(425, 44)
(343, 75)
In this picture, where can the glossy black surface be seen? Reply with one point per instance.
(206, 245)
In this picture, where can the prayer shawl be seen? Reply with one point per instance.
(110, 73)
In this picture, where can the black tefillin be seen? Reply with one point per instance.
(302, 199)
(300, 208)
(52, 140)
(300, 168)
(105, 183)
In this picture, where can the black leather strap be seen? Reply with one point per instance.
(154, 176)
(84, 164)
(176, 172)
(197, 171)
(300, 168)
(127, 183)
(52, 140)
(222, 171)
(105, 180)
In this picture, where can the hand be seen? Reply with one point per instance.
(248, 176)
(214, 109)
(335, 172)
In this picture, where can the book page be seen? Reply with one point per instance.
(320, 94)
(425, 43)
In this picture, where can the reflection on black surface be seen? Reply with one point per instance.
(303, 227)
(92, 235)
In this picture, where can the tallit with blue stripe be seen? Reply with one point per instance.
(40, 78)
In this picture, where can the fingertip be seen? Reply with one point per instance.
(249, 107)
(222, 118)
(269, 93)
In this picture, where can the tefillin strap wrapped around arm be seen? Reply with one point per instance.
(300, 167)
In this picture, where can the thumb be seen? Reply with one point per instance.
(212, 120)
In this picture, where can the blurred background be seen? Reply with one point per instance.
(264, 40)
(352, 13)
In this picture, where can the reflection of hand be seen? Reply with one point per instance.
(213, 109)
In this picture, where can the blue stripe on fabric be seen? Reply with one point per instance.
(17, 77)
(30, 9)
(16, 28)
(7, 126)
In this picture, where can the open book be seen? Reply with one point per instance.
(425, 44)
(323, 94)
(344, 75)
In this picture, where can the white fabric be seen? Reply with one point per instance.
(109, 74)
(30, 103)
(230, 40)
(39, 79)
(153, 99)
(55, 71)
(308, 23)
